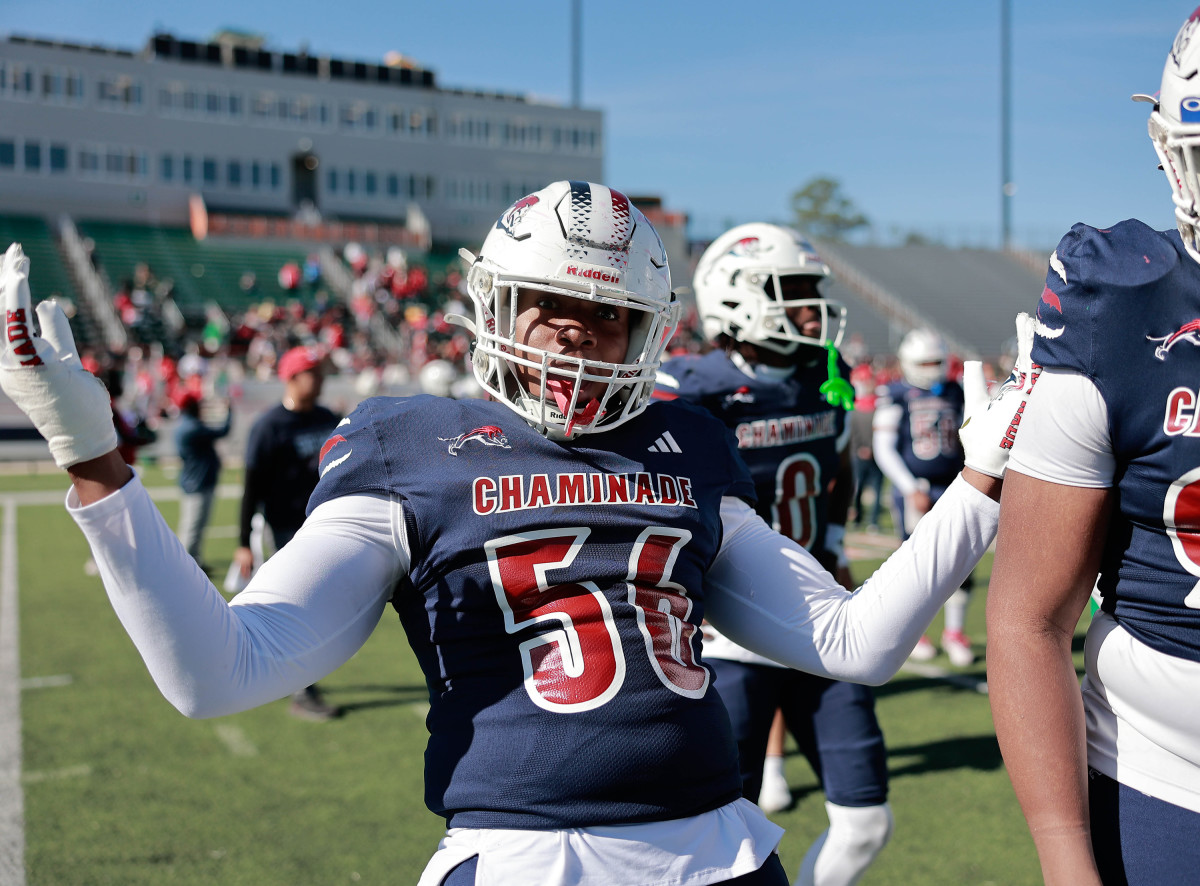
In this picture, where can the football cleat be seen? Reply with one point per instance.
(924, 650)
(958, 648)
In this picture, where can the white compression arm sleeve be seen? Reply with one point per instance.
(885, 437)
(305, 612)
(770, 595)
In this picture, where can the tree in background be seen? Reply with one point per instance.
(823, 211)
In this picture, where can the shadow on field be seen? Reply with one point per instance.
(979, 752)
(379, 696)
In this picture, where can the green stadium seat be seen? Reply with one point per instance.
(200, 271)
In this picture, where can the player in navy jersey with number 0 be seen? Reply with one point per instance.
(776, 380)
(1104, 494)
(551, 554)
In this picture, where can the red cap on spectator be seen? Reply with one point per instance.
(299, 360)
(184, 398)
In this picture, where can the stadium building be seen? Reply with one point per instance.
(97, 132)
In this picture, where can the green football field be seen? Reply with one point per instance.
(119, 788)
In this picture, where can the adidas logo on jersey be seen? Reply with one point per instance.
(665, 443)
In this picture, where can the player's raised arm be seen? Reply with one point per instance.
(43, 376)
(774, 598)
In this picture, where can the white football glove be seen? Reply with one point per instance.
(990, 425)
(67, 404)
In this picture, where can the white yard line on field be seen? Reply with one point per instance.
(235, 740)
(12, 797)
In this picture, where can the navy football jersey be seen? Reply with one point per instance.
(1122, 307)
(786, 433)
(927, 436)
(554, 602)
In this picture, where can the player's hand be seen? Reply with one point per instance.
(244, 558)
(990, 425)
(920, 501)
(42, 374)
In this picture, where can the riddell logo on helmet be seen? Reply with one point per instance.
(604, 275)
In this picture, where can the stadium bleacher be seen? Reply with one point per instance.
(36, 238)
(971, 295)
(200, 271)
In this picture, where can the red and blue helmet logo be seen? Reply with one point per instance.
(513, 215)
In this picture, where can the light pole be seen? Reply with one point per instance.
(1007, 188)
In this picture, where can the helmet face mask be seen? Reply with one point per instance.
(747, 283)
(580, 241)
(1174, 128)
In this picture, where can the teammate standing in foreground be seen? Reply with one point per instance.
(777, 382)
(551, 558)
(1104, 482)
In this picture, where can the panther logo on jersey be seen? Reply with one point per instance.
(488, 435)
(741, 395)
(1189, 332)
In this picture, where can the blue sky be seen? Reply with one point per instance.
(724, 110)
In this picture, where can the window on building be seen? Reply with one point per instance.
(235, 104)
(209, 171)
(393, 185)
(166, 167)
(262, 105)
(89, 160)
(233, 173)
(331, 180)
(213, 103)
(275, 176)
(22, 80)
(188, 170)
(255, 175)
(370, 184)
(58, 158)
(351, 181)
(33, 156)
(8, 154)
(114, 162)
(119, 90)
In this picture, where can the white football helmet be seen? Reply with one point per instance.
(923, 357)
(1175, 129)
(739, 291)
(586, 241)
(437, 377)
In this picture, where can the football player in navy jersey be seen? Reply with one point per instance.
(1103, 495)
(916, 446)
(551, 554)
(777, 382)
